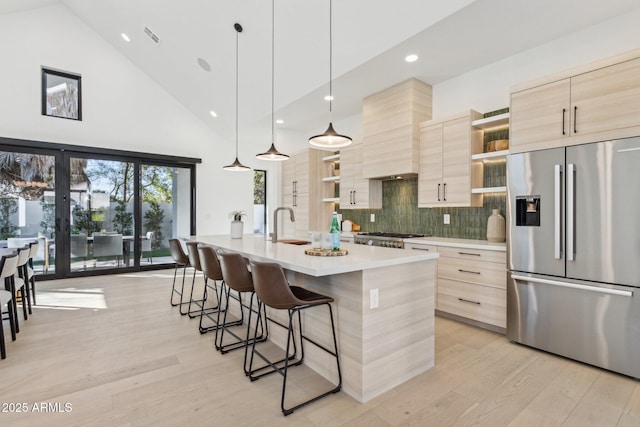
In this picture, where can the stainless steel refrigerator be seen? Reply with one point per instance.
(573, 285)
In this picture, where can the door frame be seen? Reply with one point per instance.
(63, 154)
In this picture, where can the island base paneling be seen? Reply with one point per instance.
(379, 348)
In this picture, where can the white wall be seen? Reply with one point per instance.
(487, 88)
(122, 108)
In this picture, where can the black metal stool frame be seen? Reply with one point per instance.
(291, 338)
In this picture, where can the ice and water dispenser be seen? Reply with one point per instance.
(528, 211)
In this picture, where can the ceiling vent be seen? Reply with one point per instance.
(151, 34)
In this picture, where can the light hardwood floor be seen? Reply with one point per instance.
(115, 350)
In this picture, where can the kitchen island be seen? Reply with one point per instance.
(380, 347)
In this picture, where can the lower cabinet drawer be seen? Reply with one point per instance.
(473, 270)
(477, 302)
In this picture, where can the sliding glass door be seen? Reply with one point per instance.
(93, 212)
(101, 213)
(165, 193)
(27, 204)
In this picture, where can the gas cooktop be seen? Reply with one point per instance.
(397, 235)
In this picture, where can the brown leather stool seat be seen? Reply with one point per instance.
(181, 259)
(273, 290)
(238, 278)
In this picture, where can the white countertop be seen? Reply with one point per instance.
(459, 243)
(292, 257)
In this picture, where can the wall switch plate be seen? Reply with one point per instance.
(373, 298)
(373, 217)
(447, 219)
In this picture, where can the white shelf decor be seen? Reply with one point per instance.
(331, 199)
(493, 155)
(489, 190)
(491, 122)
(331, 178)
(333, 157)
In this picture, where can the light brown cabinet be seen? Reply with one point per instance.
(591, 105)
(447, 173)
(357, 192)
(471, 284)
(390, 121)
(301, 191)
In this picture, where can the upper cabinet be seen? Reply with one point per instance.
(596, 102)
(301, 191)
(390, 125)
(357, 192)
(447, 173)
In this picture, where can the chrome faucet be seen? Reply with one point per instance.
(274, 235)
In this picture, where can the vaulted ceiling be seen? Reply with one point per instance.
(370, 40)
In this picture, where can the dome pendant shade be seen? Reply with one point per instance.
(236, 167)
(272, 154)
(330, 139)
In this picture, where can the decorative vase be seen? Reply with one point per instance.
(237, 228)
(496, 227)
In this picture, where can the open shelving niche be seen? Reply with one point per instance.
(330, 194)
(490, 123)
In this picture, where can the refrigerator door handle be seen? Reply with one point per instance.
(557, 212)
(571, 218)
(572, 285)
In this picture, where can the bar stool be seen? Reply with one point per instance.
(212, 274)
(181, 260)
(194, 261)
(237, 278)
(273, 290)
(8, 265)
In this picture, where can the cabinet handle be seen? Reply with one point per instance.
(468, 253)
(354, 197)
(421, 249)
(469, 271)
(575, 118)
(438, 192)
(564, 112)
(351, 197)
(469, 301)
(444, 192)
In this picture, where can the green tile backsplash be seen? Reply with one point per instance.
(400, 212)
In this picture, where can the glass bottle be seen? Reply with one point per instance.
(335, 232)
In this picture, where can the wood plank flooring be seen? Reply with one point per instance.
(115, 351)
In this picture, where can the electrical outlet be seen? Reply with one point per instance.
(447, 219)
(373, 217)
(373, 298)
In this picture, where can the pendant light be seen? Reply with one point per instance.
(272, 153)
(237, 166)
(330, 138)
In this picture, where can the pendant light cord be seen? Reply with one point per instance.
(273, 73)
(237, 62)
(330, 60)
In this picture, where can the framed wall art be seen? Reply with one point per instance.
(61, 94)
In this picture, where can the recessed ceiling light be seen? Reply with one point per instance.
(328, 98)
(125, 37)
(279, 121)
(204, 64)
(411, 58)
(213, 113)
